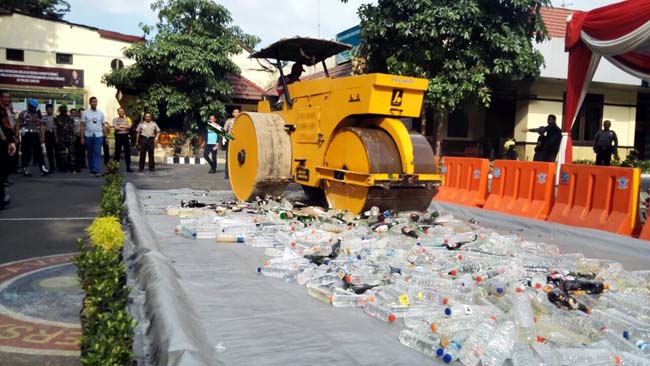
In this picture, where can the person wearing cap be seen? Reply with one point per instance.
(296, 71)
(32, 130)
(66, 141)
(50, 137)
(122, 125)
(92, 136)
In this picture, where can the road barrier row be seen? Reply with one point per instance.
(603, 198)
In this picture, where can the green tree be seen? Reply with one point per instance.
(464, 47)
(180, 72)
(54, 9)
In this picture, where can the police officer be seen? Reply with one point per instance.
(66, 141)
(605, 144)
(122, 126)
(147, 137)
(7, 146)
(32, 130)
(50, 137)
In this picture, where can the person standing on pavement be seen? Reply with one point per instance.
(548, 144)
(7, 122)
(146, 138)
(66, 141)
(228, 127)
(92, 136)
(79, 149)
(605, 144)
(211, 145)
(7, 146)
(50, 138)
(32, 129)
(106, 153)
(122, 125)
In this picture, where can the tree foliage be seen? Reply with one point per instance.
(180, 72)
(54, 9)
(461, 46)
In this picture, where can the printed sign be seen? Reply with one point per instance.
(541, 178)
(40, 76)
(444, 169)
(564, 178)
(622, 183)
(497, 173)
(477, 174)
(396, 100)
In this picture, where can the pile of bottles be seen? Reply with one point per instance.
(463, 294)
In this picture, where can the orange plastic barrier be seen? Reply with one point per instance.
(605, 198)
(645, 233)
(522, 188)
(465, 181)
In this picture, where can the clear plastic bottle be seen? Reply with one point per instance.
(522, 311)
(306, 274)
(320, 293)
(587, 356)
(414, 316)
(474, 348)
(420, 344)
(379, 312)
(630, 359)
(343, 298)
(230, 238)
(500, 346)
(285, 274)
(546, 354)
(546, 328)
(461, 310)
(266, 241)
(522, 355)
(324, 280)
(451, 352)
(618, 342)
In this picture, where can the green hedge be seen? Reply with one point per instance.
(107, 326)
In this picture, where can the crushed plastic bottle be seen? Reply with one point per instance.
(474, 348)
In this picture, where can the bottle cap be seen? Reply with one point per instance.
(391, 318)
(618, 359)
(626, 334)
(538, 285)
(448, 311)
(460, 257)
(445, 301)
(434, 328)
(519, 290)
(453, 272)
(259, 269)
(500, 290)
(440, 352)
(478, 279)
(447, 358)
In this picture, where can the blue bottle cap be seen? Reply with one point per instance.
(440, 352)
(448, 311)
(499, 290)
(359, 256)
(259, 269)
(626, 334)
(447, 358)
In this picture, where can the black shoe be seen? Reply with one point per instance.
(141, 170)
(27, 172)
(212, 171)
(129, 170)
(152, 170)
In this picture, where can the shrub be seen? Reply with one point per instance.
(106, 232)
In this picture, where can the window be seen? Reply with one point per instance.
(589, 119)
(15, 55)
(64, 58)
(458, 124)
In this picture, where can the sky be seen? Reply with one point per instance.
(270, 20)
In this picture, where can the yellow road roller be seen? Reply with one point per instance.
(339, 136)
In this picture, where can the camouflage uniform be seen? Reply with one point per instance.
(65, 130)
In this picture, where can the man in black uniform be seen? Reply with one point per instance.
(605, 144)
(7, 148)
(50, 138)
(548, 144)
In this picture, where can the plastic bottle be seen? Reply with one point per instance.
(461, 310)
(546, 354)
(266, 241)
(546, 328)
(583, 285)
(414, 316)
(500, 346)
(230, 238)
(320, 293)
(565, 301)
(630, 359)
(451, 352)
(343, 298)
(186, 232)
(379, 312)
(420, 344)
(474, 348)
(522, 355)
(587, 356)
(522, 311)
(283, 273)
(323, 280)
(618, 342)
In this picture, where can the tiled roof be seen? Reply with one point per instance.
(244, 89)
(555, 20)
(119, 36)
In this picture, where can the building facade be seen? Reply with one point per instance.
(57, 62)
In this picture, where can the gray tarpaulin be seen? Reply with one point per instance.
(200, 294)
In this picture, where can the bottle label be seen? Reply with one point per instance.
(468, 310)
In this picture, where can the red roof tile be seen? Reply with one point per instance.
(555, 20)
(245, 89)
(119, 36)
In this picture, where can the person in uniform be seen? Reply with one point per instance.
(146, 138)
(548, 143)
(32, 130)
(210, 145)
(7, 146)
(66, 141)
(92, 135)
(605, 144)
(122, 125)
(228, 127)
(50, 138)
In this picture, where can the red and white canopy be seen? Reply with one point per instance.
(619, 32)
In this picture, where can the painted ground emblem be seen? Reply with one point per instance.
(40, 300)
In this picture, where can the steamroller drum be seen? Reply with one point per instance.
(370, 151)
(259, 158)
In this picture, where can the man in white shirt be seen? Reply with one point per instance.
(92, 135)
